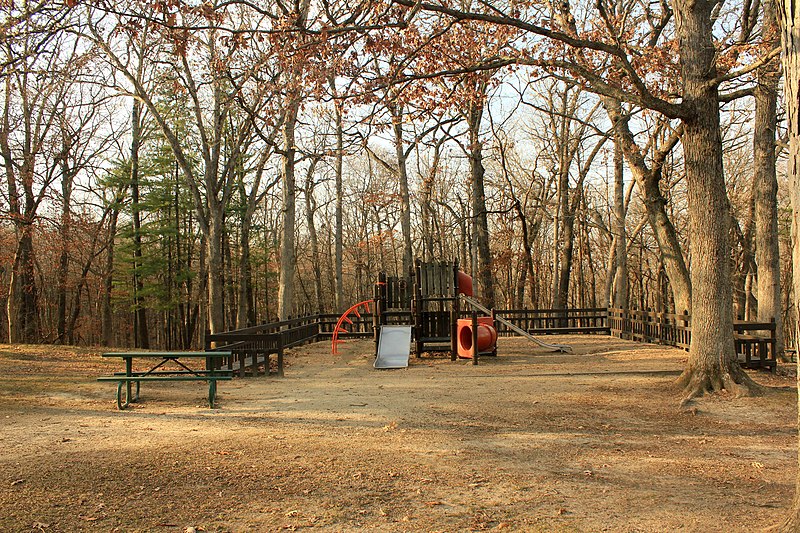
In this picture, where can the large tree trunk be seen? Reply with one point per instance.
(765, 185)
(337, 236)
(23, 314)
(402, 176)
(620, 298)
(480, 217)
(63, 260)
(712, 364)
(141, 334)
(567, 239)
(790, 43)
(286, 276)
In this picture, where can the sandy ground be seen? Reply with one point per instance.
(533, 441)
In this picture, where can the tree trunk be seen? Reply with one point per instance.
(765, 185)
(668, 244)
(286, 276)
(712, 364)
(611, 268)
(480, 217)
(108, 281)
(567, 239)
(743, 265)
(228, 275)
(790, 43)
(215, 309)
(316, 260)
(23, 317)
(426, 212)
(141, 335)
(618, 229)
(338, 238)
(402, 176)
(63, 260)
(556, 245)
(244, 308)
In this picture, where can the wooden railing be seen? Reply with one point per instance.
(252, 347)
(555, 321)
(361, 327)
(754, 341)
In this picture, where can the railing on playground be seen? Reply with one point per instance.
(360, 326)
(754, 341)
(252, 347)
(534, 321)
(555, 321)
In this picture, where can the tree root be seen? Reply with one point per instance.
(698, 382)
(791, 524)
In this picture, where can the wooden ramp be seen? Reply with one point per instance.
(563, 348)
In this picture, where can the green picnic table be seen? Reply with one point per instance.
(184, 368)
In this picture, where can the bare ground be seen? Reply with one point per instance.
(591, 441)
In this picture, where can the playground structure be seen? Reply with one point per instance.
(433, 305)
(433, 310)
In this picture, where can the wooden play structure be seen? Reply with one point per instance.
(436, 301)
(429, 301)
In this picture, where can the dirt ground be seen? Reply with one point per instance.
(533, 441)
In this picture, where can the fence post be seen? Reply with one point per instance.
(474, 337)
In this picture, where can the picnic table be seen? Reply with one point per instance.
(167, 366)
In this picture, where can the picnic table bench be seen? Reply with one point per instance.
(161, 371)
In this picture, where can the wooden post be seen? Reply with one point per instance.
(474, 337)
(377, 312)
(416, 309)
(494, 324)
(454, 312)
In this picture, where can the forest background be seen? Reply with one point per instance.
(174, 167)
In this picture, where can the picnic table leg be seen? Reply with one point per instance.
(212, 392)
(128, 373)
(120, 404)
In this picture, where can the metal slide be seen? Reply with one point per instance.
(394, 347)
(555, 347)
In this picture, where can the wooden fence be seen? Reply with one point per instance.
(555, 321)
(253, 347)
(754, 341)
